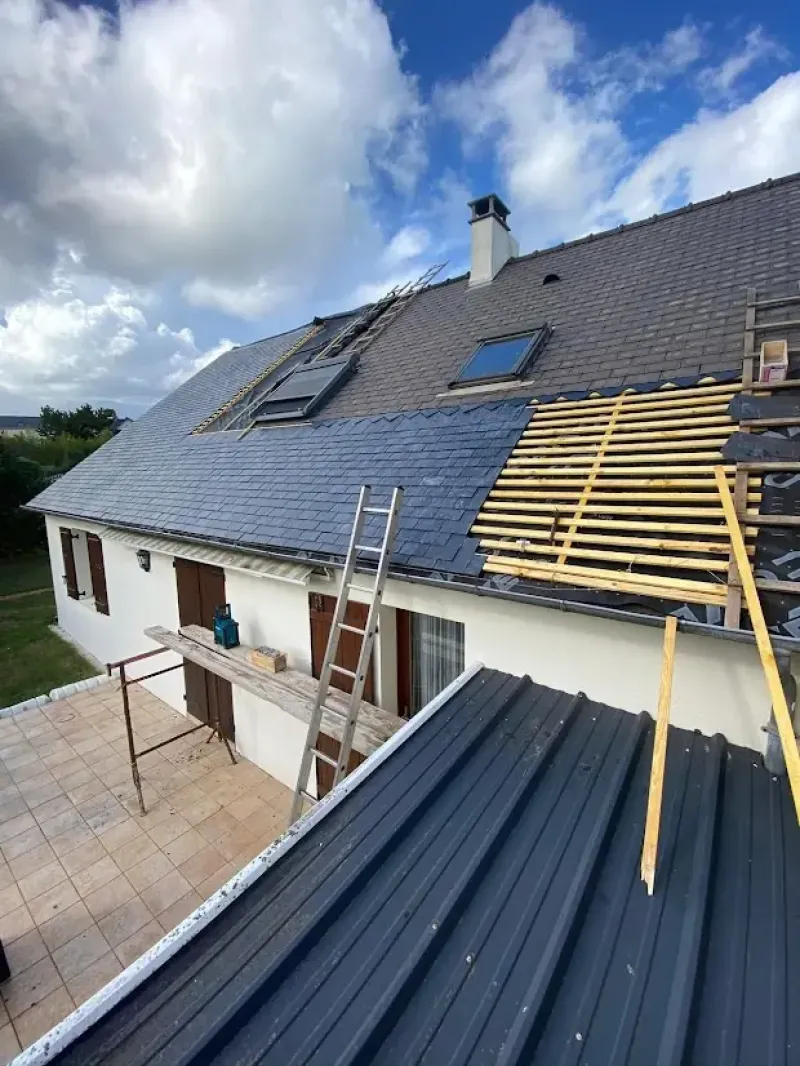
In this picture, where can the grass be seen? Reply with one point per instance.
(33, 660)
(24, 572)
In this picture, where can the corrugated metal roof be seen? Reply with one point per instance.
(294, 573)
(476, 899)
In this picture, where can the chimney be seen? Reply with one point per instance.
(492, 243)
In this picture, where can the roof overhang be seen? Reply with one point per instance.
(295, 573)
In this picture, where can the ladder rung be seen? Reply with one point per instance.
(377, 510)
(334, 711)
(352, 629)
(362, 588)
(325, 758)
(368, 548)
(341, 670)
(308, 796)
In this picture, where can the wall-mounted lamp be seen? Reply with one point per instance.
(143, 558)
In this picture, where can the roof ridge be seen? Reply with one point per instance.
(685, 209)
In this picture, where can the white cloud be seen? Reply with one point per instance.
(232, 144)
(757, 46)
(557, 119)
(85, 340)
(410, 242)
(716, 152)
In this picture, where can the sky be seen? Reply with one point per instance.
(181, 176)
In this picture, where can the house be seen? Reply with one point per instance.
(14, 425)
(240, 486)
(555, 420)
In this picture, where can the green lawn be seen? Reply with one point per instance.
(32, 659)
(25, 572)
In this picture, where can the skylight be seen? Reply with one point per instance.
(501, 358)
(303, 390)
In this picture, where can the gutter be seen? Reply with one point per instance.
(461, 583)
(101, 1003)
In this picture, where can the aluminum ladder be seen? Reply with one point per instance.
(354, 551)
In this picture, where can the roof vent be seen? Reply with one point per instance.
(550, 278)
(492, 243)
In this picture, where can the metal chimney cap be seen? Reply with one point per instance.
(488, 206)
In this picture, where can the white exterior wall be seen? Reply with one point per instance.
(719, 685)
(136, 600)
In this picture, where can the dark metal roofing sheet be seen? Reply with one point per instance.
(476, 899)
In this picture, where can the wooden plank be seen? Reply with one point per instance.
(593, 473)
(773, 520)
(778, 301)
(671, 424)
(777, 695)
(655, 792)
(566, 512)
(610, 581)
(654, 469)
(652, 434)
(676, 584)
(721, 547)
(626, 558)
(588, 460)
(528, 450)
(647, 496)
(692, 528)
(614, 483)
(765, 423)
(290, 690)
(636, 398)
(778, 466)
(679, 412)
(789, 323)
(790, 383)
(791, 587)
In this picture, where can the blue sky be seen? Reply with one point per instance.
(184, 175)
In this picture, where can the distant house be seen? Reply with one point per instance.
(15, 425)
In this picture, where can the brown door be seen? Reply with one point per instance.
(201, 588)
(321, 610)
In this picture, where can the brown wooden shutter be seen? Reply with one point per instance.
(70, 573)
(98, 571)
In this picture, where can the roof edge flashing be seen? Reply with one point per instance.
(47, 1047)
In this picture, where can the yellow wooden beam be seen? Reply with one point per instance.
(777, 695)
(650, 846)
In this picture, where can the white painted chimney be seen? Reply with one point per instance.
(492, 243)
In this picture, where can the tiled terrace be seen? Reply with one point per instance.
(86, 883)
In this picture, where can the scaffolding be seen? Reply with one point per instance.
(133, 754)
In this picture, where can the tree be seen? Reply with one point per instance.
(84, 422)
(20, 480)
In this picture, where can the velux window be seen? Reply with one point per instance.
(500, 358)
(305, 388)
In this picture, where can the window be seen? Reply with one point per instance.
(84, 568)
(505, 357)
(430, 656)
(304, 390)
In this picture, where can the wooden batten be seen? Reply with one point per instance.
(627, 483)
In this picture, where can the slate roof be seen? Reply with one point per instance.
(476, 900)
(296, 487)
(653, 301)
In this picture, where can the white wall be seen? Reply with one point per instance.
(719, 685)
(136, 600)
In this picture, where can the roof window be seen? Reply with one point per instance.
(304, 390)
(501, 357)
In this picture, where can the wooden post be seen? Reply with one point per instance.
(777, 694)
(650, 846)
(733, 605)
